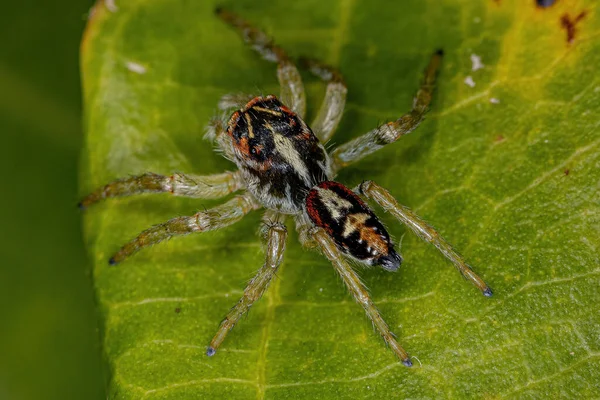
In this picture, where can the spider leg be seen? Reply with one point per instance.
(423, 230)
(358, 291)
(292, 90)
(205, 187)
(217, 133)
(274, 237)
(304, 227)
(374, 140)
(212, 219)
(332, 108)
(234, 100)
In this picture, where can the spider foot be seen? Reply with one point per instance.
(211, 351)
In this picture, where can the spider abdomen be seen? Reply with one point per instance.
(351, 224)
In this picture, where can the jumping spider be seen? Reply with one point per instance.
(283, 167)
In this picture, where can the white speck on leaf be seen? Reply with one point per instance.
(469, 81)
(135, 67)
(476, 20)
(494, 100)
(111, 6)
(476, 62)
(91, 12)
(320, 289)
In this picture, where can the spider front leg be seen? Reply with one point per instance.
(215, 218)
(234, 100)
(425, 231)
(274, 237)
(217, 134)
(358, 290)
(292, 90)
(388, 133)
(205, 187)
(332, 108)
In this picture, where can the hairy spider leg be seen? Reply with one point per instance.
(304, 227)
(217, 133)
(292, 90)
(358, 291)
(184, 185)
(332, 107)
(423, 230)
(215, 218)
(374, 140)
(274, 238)
(234, 100)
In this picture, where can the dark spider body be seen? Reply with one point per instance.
(286, 168)
(279, 156)
(351, 224)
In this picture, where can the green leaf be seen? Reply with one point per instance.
(507, 170)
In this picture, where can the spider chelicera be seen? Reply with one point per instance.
(283, 167)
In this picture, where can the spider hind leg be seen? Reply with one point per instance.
(423, 230)
(358, 290)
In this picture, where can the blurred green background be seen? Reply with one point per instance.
(49, 344)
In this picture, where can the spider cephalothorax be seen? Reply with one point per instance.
(283, 167)
(279, 156)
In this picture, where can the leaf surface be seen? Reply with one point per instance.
(508, 170)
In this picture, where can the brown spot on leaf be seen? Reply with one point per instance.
(570, 25)
(567, 172)
(499, 139)
(177, 310)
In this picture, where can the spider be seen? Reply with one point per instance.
(283, 167)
